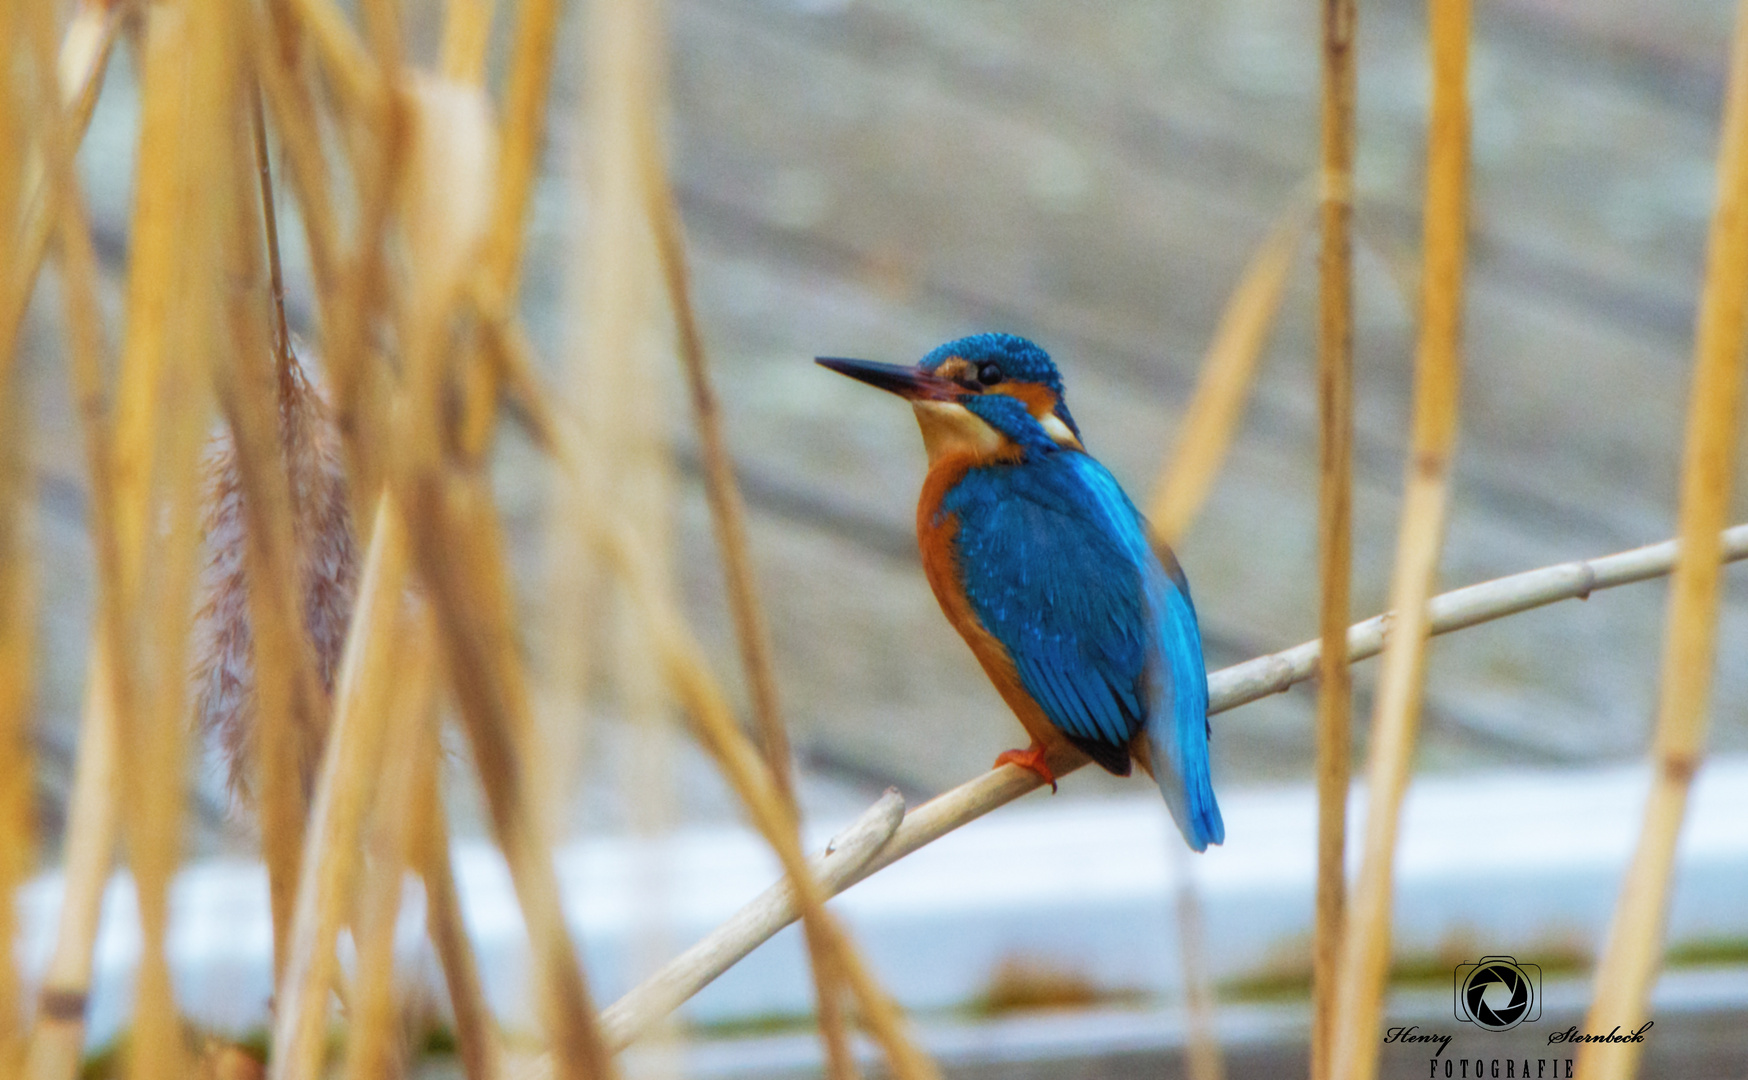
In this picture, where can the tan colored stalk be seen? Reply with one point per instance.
(372, 1048)
(252, 380)
(1365, 954)
(294, 117)
(57, 1040)
(729, 514)
(1629, 962)
(327, 879)
(1228, 371)
(18, 594)
(467, 32)
(475, 1038)
(84, 58)
(461, 564)
(752, 781)
(1229, 688)
(1334, 518)
(343, 55)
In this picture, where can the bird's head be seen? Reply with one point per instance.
(987, 395)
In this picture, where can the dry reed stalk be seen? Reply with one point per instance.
(155, 739)
(371, 1030)
(57, 1039)
(1334, 516)
(467, 32)
(1364, 964)
(260, 393)
(754, 784)
(153, 734)
(1228, 371)
(1228, 688)
(475, 1038)
(326, 880)
(632, 1016)
(84, 59)
(1629, 963)
(356, 79)
(728, 511)
(461, 563)
(293, 110)
(17, 567)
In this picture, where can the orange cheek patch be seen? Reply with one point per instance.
(1038, 399)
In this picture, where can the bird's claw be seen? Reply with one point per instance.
(1032, 760)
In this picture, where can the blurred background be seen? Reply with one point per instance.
(871, 177)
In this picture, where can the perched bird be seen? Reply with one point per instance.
(1042, 564)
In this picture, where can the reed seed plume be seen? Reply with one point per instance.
(327, 572)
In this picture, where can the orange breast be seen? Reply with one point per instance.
(935, 532)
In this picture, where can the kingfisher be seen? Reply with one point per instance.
(1043, 565)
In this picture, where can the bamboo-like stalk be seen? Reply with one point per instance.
(1629, 962)
(17, 569)
(475, 1038)
(327, 877)
(460, 559)
(371, 1044)
(85, 50)
(1228, 688)
(256, 385)
(746, 773)
(57, 1039)
(1364, 964)
(119, 469)
(1334, 516)
(153, 733)
(467, 30)
(1228, 371)
(632, 1016)
(155, 738)
(728, 511)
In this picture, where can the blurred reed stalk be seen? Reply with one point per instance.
(1364, 965)
(1228, 372)
(17, 554)
(1630, 960)
(1334, 516)
(728, 511)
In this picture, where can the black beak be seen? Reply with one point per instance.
(911, 383)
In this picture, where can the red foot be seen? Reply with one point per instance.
(1032, 760)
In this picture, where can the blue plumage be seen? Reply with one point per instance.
(1056, 565)
(1043, 564)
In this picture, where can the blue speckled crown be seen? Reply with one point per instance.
(1020, 360)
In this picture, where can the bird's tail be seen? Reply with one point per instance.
(1177, 725)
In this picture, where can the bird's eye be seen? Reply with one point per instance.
(989, 374)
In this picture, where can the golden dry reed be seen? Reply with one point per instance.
(1228, 371)
(1364, 963)
(1635, 942)
(1334, 516)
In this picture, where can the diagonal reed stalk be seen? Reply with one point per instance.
(1229, 688)
(1228, 371)
(254, 382)
(1629, 962)
(1334, 517)
(1364, 963)
(728, 511)
(376, 643)
(17, 554)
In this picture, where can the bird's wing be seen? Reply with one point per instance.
(1048, 577)
(1057, 567)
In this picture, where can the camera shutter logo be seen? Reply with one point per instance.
(1498, 993)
